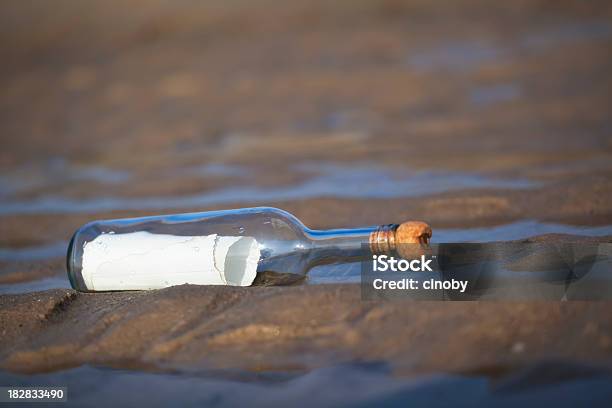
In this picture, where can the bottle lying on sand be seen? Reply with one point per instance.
(234, 247)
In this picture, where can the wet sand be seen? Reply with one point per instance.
(292, 328)
(464, 114)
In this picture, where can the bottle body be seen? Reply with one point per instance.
(230, 245)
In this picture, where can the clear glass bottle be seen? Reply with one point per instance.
(284, 246)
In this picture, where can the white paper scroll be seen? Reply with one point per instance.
(141, 260)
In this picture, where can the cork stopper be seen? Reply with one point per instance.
(389, 237)
(413, 232)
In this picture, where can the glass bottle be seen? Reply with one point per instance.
(160, 251)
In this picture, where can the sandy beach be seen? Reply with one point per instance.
(489, 121)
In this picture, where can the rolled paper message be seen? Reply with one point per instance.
(142, 260)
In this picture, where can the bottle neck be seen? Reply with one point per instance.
(379, 239)
(350, 245)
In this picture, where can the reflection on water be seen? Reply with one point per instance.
(460, 56)
(349, 385)
(329, 180)
(488, 95)
(56, 172)
(214, 169)
(464, 56)
(46, 251)
(594, 30)
(515, 231)
(101, 175)
(55, 282)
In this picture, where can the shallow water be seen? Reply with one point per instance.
(354, 385)
(489, 95)
(54, 282)
(514, 231)
(34, 253)
(464, 56)
(57, 171)
(591, 31)
(457, 56)
(326, 180)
